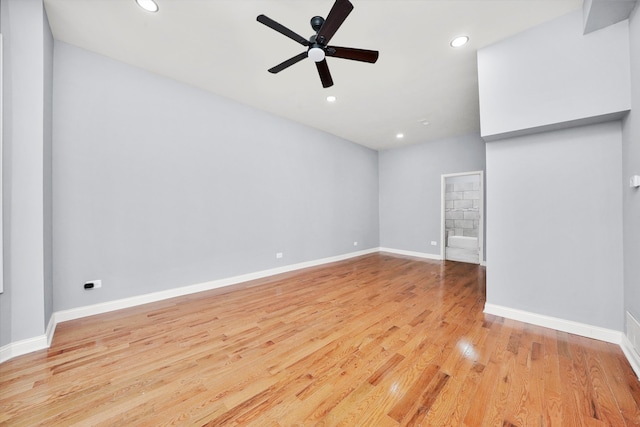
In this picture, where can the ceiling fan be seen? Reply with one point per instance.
(317, 45)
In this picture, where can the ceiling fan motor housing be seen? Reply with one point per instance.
(316, 23)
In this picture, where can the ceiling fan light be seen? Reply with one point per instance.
(148, 5)
(316, 54)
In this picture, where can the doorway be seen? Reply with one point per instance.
(462, 217)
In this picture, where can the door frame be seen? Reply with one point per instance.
(443, 243)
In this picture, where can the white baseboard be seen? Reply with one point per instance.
(631, 355)
(44, 341)
(90, 310)
(22, 347)
(582, 329)
(29, 345)
(425, 255)
(412, 253)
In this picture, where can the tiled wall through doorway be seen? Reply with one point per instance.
(462, 205)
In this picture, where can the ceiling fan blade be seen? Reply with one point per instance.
(325, 75)
(363, 55)
(339, 12)
(288, 63)
(282, 29)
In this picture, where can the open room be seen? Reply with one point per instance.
(329, 212)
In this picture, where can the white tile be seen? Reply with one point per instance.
(454, 215)
(463, 223)
(471, 232)
(471, 195)
(463, 186)
(471, 214)
(462, 204)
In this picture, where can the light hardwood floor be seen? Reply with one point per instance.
(379, 340)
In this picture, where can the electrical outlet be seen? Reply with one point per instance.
(278, 255)
(434, 243)
(355, 243)
(93, 284)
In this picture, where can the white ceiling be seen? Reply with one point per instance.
(218, 46)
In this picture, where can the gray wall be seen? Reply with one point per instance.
(159, 185)
(631, 166)
(22, 306)
(554, 199)
(410, 189)
(552, 74)
(554, 224)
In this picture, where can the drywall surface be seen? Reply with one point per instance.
(554, 224)
(22, 303)
(159, 185)
(411, 187)
(553, 75)
(631, 166)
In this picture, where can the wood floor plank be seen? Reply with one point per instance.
(461, 406)
(574, 397)
(379, 340)
(519, 398)
(606, 402)
(459, 366)
(477, 408)
(535, 415)
(494, 411)
(552, 387)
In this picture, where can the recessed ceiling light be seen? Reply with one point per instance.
(400, 135)
(459, 41)
(148, 5)
(331, 98)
